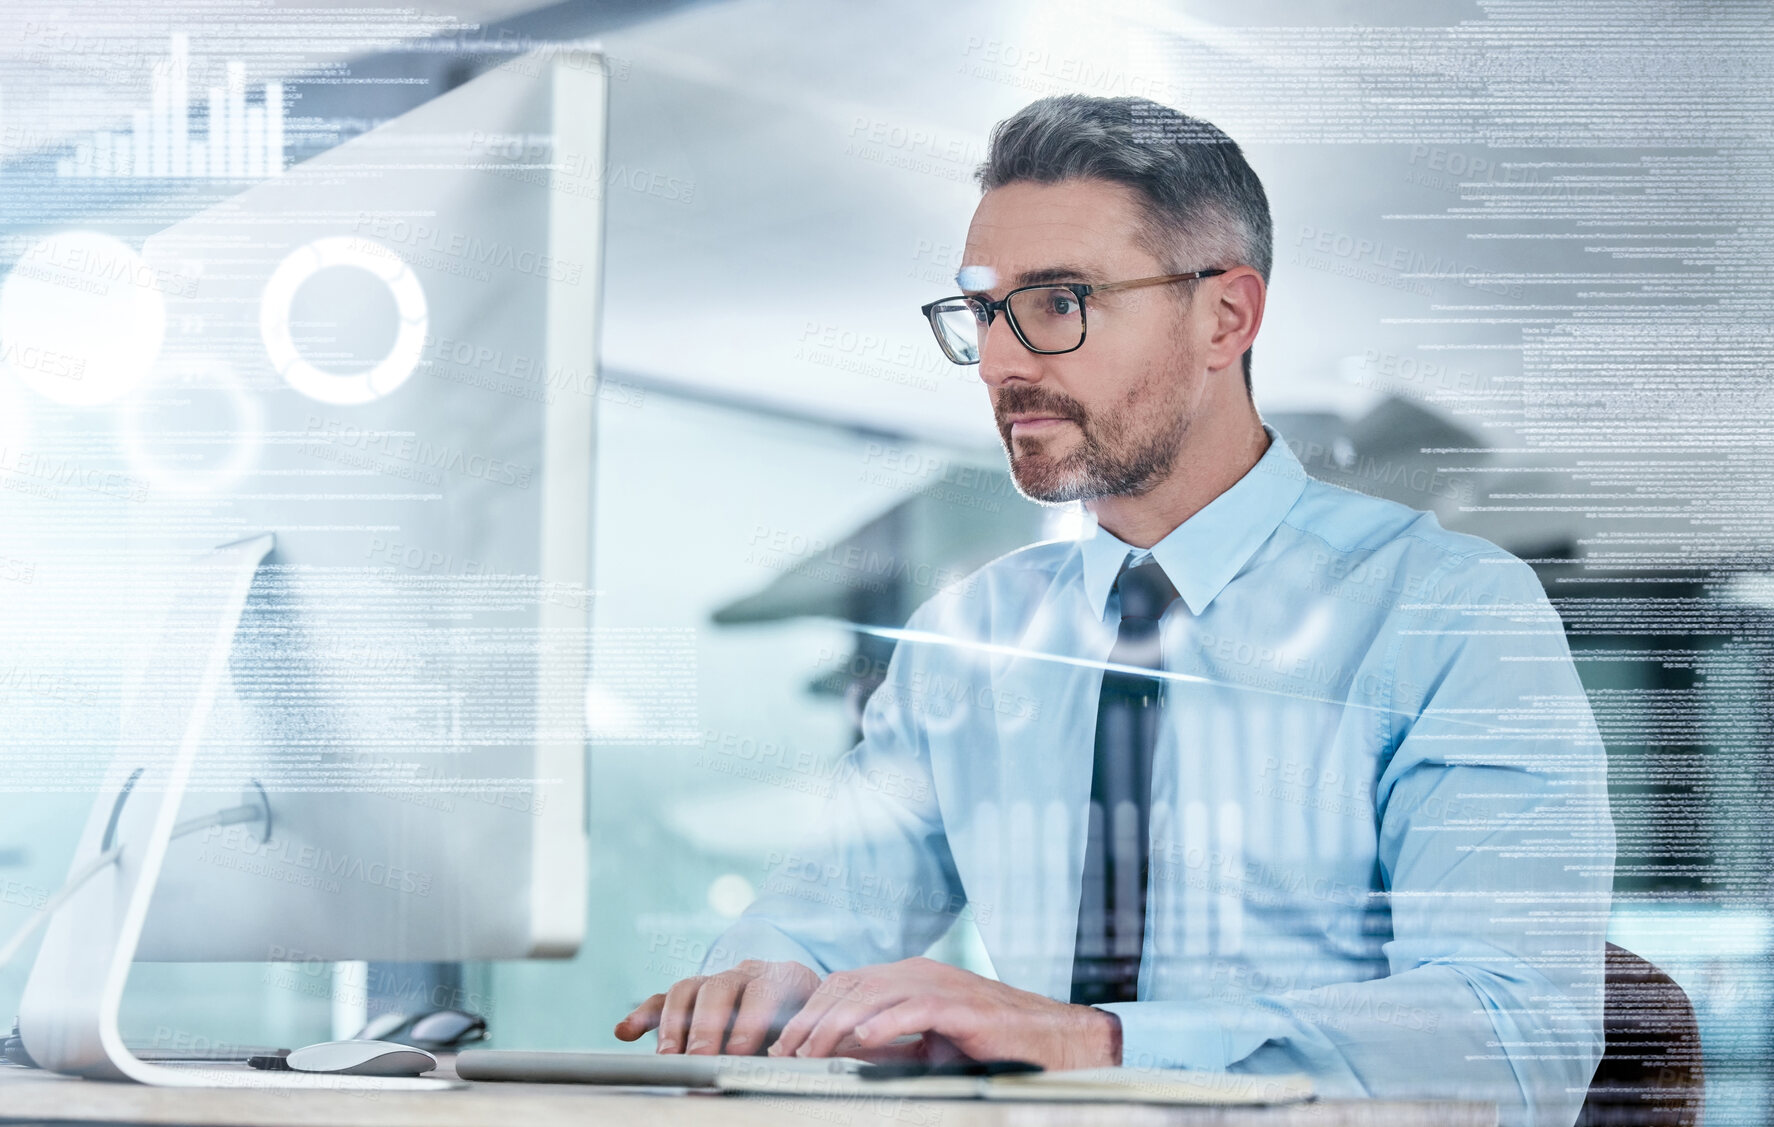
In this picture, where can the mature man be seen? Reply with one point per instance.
(1308, 782)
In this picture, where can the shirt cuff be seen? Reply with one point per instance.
(1194, 1035)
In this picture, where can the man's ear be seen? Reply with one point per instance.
(1238, 297)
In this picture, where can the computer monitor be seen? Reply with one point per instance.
(378, 388)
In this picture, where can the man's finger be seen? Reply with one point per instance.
(764, 1005)
(852, 998)
(674, 1017)
(914, 1015)
(642, 1018)
(715, 1004)
(839, 1023)
(822, 999)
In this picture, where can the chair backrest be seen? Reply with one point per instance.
(1650, 1073)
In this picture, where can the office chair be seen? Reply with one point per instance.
(1650, 1073)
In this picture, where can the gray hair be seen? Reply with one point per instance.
(1200, 196)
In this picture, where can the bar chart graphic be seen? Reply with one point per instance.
(240, 139)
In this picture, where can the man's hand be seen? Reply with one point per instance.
(755, 998)
(986, 1020)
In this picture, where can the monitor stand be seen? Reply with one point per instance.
(68, 1016)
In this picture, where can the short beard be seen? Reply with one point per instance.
(1092, 470)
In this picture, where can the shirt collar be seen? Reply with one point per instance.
(1202, 554)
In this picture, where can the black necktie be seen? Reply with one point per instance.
(1112, 910)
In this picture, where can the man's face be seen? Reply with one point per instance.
(1108, 418)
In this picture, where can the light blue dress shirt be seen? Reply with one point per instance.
(1381, 852)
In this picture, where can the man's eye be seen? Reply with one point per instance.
(1062, 304)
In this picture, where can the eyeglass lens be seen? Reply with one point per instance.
(1050, 318)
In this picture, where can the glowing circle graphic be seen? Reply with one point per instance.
(145, 432)
(409, 302)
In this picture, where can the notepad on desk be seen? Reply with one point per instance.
(1089, 1085)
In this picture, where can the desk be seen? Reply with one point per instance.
(37, 1097)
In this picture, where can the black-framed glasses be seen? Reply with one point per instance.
(1048, 318)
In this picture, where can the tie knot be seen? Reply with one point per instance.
(1146, 592)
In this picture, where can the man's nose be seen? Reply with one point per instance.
(1002, 356)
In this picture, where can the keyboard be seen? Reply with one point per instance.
(672, 1070)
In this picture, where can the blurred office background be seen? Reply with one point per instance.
(1500, 303)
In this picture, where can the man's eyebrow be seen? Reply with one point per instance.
(1061, 273)
(1054, 274)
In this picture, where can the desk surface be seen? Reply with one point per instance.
(38, 1097)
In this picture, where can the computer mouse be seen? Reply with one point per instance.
(362, 1058)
